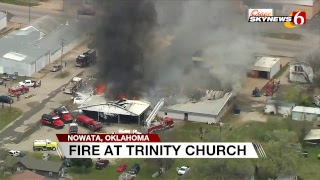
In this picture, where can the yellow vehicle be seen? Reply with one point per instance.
(44, 145)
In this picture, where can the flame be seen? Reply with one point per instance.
(100, 89)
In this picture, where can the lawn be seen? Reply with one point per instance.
(284, 36)
(241, 132)
(21, 2)
(8, 115)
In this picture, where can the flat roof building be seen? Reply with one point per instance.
(266, 67)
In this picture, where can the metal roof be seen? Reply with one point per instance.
(280, 103)
(17, 46)
(68, 33)
(309, 110)
(47, 24)
(123, 107)
(209, 107)
(2, 15)
(265, 63)
(314, 134)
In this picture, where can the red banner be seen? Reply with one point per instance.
(108, 138)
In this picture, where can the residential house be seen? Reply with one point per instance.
(49, 169)
(27, 175)
(301, 72)
(301, 113)
(278, 107)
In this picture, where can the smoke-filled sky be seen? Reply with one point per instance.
(166, 34)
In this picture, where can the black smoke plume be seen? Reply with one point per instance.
(121, 39)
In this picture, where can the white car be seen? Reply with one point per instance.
(79, 100)
(182, 170)
(14, 153)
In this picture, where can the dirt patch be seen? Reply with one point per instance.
(51, 4)
(32, 104)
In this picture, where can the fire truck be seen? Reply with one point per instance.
(14, 91)
(73, 85)
(156, 124)
(272, 87)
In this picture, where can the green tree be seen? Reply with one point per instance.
(281, 149)
(297, 96)
(81, 162)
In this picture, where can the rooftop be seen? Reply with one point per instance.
(122, 107)
(266, 62)
(2, 15)
(280, 103)
(26, 174)
(209, 107)
(17, 46)
(310, 110)
(39, 164)
(314, 134)
(47, 24)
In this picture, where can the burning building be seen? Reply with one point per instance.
(121, 111)
(210, 108)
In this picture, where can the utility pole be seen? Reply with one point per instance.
(62, 46)
(29, 10)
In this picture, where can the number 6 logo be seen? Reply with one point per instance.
(298, 18)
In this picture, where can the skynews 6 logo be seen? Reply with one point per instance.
(293, 20)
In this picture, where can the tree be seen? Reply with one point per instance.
(313, 58)
(82, 163)
(281, 150)
(297, 96)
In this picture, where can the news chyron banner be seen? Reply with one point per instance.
(150, 146)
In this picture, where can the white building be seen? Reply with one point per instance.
(3, 20)
(127, 111)
(301, 113)
(313, 136)
(28, 50)
(266, 67)
(202, 111)
(301, 72)
(278, 107)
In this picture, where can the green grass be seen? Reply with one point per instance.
(241, 132)
(20, 2)
(285, 36)
(8, 115)
(54, 158)
(63, 74)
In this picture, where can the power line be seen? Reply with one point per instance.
(62, 46)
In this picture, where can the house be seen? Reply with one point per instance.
(301, 113)
(301, 72)
(27, 175)
(266, 67)
(313, 136)
(49, 169)
(209, 109)
(278, 107)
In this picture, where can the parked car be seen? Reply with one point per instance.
(14, 153)
(182, 170)
(102, 163)
(9, 77)
(56, 68)
(135, 169)
(122, 167)
(46, 156)
(1, 81)
(6, 99)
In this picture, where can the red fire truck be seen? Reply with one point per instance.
(14, 91)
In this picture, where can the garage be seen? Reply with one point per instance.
(266, 67)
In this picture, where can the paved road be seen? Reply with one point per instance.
(20, 14)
